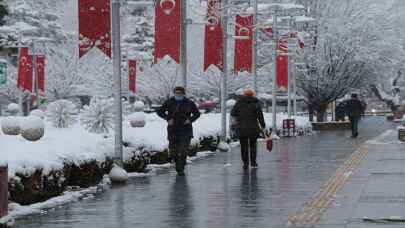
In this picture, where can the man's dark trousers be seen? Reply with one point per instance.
(178, 151)
(354, 121)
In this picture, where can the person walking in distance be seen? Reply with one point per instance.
(249, 124)
(179, 112)
(354, 109)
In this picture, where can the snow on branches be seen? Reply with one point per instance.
(98, 117)
(61, 113)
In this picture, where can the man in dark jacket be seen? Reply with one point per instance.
(248, 115)
(179, 112)
(354, 109)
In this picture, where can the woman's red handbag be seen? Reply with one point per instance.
(269, 144)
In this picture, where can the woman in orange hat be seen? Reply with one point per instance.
(249, 122)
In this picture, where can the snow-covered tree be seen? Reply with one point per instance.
(31, 19)
(138, 24)
(351, 44)
(98, 117)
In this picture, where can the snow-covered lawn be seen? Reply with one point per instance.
(76, 145)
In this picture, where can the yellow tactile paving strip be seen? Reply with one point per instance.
(312, 211)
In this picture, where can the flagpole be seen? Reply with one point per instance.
(35, 73)
(254, 65)
(21, 92)
(224, 89)
(184, 43)
(116, 30)
(274, 98)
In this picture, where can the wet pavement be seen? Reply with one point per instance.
(216, 191)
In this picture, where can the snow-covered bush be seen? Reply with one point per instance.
(32, 128)
(10, 125)
(230, 103)
(38, 113)
(98, 117)
(61, 113)
(139, 106)
(137, 119)
(224, 147)
(13, 109)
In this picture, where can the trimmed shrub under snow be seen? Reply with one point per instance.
(32, 128)
(230, 103)
(98, 117)
(10, 125)
(61, 113)
(137, 119)
(139, 106)
(13, 109)
(38, 113)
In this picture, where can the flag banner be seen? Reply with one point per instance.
(94, 26)
(132, 76)
(243, 44)
(282, 64)
(167, 29)
(29, 74)
(3, 74)
(41, 74)
(22, 65)
(282, 72)
(213, 44)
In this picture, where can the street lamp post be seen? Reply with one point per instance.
(224, 86)
(116, 32)
(254, 65)
(183, 49)
(274, 97)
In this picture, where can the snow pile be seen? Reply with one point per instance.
(118, 174)
(224, 147)
(16, 210)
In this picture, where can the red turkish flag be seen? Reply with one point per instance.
(213, 48)
(243, 47)
(41, 73)
(94, 26)
(282, 64)
(132, 76)
(22, 65)
(28, 74)
(167, 29)
(282, 72)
